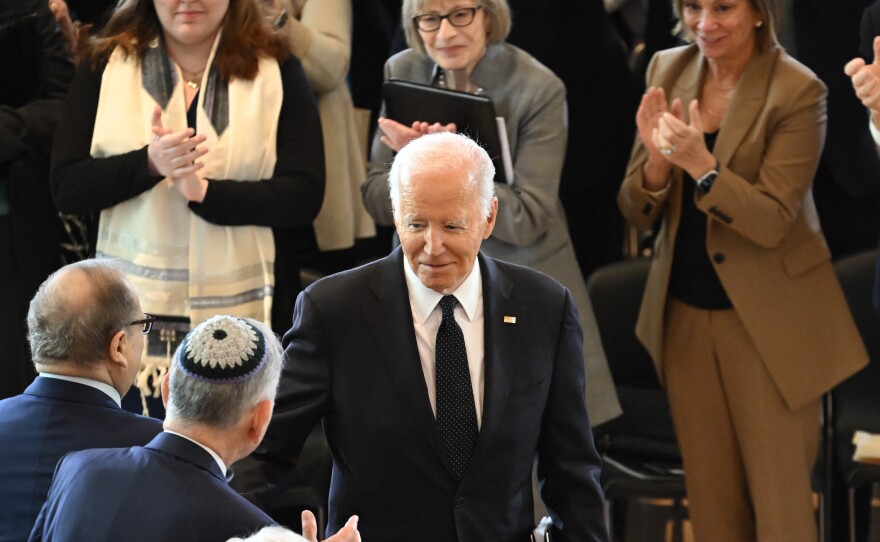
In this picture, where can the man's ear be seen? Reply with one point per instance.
(116, 348)
(259, 421)
(166, 390)
(490, 220)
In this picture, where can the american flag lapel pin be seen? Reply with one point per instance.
(510, 319)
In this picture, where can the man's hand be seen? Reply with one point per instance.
(175, 155)
(866, 81)
(349, 533)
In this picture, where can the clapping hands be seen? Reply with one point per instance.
(670, 140)
(174, 155)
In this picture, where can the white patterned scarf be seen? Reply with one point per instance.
(181, 265)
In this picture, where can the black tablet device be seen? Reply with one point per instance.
(473, 115)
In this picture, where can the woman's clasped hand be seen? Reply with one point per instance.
(396, 135)
(175, 155)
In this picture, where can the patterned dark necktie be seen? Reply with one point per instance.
(456, 414)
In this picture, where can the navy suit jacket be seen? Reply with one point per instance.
(170, 489)
(51, 418)
(353, 362)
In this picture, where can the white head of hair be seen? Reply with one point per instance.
(443, 152)
(272, 533)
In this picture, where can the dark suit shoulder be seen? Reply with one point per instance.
(338, 301)
(355, 281)
(524, 284)
(188, 498)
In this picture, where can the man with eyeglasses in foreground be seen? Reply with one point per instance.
(219, 394)
(86, 334)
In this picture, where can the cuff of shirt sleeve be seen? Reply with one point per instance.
(875, 133)
(657, 193)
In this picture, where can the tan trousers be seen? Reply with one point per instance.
(747, 457)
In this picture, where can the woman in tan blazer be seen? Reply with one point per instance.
(742, 313)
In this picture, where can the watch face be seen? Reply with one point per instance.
(706, 182)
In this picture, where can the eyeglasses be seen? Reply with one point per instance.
(147, 322)
(430, 22)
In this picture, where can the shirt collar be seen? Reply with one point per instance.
(423, 299)
(98, 385)
(210, 451)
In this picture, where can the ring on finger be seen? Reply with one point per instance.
(666, 151)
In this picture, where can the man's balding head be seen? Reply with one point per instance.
(77, 311)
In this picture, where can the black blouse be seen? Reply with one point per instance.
(693, 279)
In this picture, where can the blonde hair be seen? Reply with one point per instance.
(497, 11)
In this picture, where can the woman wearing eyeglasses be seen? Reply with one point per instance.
(459, 44)
(195, 135)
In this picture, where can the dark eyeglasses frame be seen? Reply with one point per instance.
(146, 321)
(418, 18)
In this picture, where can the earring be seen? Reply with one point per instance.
(759, 24)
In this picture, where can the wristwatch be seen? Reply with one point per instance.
(704, 183)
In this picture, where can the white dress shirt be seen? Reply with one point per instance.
(427, 315)
(106, 388)
(875, 133)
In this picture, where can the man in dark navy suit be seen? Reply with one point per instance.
(85, 328)
(219, 395)
(440, 374)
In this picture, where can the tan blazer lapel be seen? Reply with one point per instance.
(687, 85)
(746, 104)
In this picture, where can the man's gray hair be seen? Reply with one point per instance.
(75, 327)
(223, 404)
(443, 152)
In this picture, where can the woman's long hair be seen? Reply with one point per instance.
(245, 37)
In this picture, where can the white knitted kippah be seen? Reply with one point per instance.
(222, 348)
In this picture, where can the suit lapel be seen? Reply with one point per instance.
(748, 98)
(401, 357)
(746, 104)
(398, 348)
(501, 345)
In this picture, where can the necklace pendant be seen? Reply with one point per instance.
(193, 84)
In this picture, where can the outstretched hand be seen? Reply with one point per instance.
(175, 155)
(396, 135)
(349, 533)
(866, 81)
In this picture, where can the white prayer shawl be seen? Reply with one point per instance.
(180, 264)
